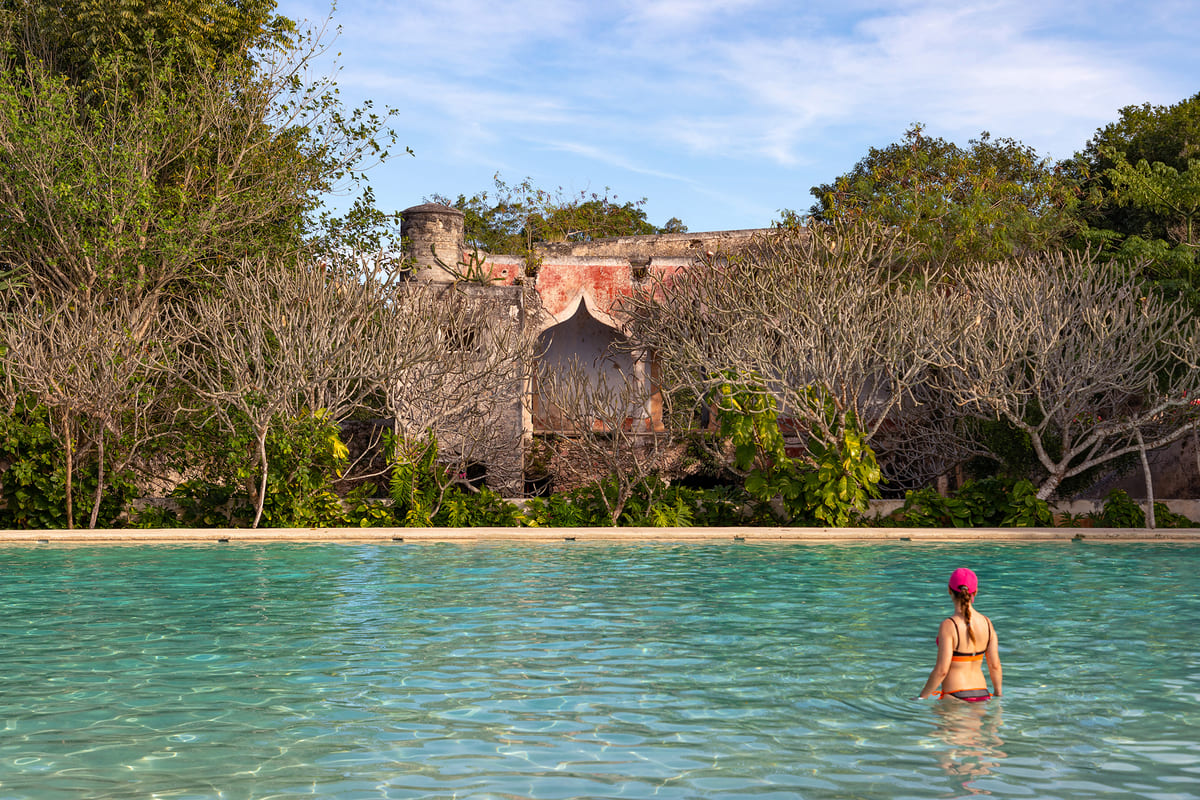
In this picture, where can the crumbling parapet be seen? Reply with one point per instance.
(640, 249)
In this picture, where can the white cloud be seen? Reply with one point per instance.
(613, 159)
(697, 92)
(980, 65)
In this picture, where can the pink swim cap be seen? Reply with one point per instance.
(964, 577)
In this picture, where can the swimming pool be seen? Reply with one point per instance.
(591, 671)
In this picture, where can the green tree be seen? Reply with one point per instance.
(993, 199)
(144, 152)
(1141, 193)
(163, 164)
(1168, 135)
(73, 39)
(1171, 194)
(512, 219)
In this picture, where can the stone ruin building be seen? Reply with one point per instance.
(568, 294)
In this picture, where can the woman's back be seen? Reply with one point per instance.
(968, 652)
(965, 640)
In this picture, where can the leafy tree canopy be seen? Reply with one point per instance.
(1169, 134)
(72, 39)
(514, 218)
(142, 147)
(990, 200)
(1140, 177)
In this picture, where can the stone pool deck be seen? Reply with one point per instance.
(545, 535)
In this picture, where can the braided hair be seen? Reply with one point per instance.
(962, 598)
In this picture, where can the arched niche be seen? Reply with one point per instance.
(585, 339)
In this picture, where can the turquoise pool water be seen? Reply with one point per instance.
(591, 671)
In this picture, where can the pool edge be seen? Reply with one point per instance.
(699, 535)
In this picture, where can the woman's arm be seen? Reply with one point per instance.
(993, 662)
(942, 665)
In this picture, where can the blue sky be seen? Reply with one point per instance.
(723, 112)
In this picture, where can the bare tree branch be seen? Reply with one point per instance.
(811, 317)
(1077, 357)
(606, 419)
(281, 338)
(101, 368)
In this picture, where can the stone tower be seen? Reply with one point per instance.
(431, 229)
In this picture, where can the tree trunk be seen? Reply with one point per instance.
(1048, 486)
(66, 425)
(1196, 442)
(99, 481)
(1149, 481)
(262, 486)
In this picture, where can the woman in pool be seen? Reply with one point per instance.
(964, 641)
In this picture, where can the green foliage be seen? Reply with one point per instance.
(846, 478)
(425, 494)
(1166, 518)
(1165, 134)
(156, 517)
(33, 486)
(148, 142)
(976, 504)
(362, 510)
(305, 456)
(1120, 511)
(652, 504)
(993, 199)
(1160, 189)
(832, 484)
(1027, 510)
(678, 514)
(207, 31)
(477, 509)
(992, 502)
(565, 510)
(1141, 193)
(205, 503)
(417, 482)
(515, 218)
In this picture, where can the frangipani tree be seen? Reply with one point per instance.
(606, 416)
(102, 370)
(1088, 364)
(281, 338)
(810, 340)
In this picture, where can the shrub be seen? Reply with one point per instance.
(1120, 511)
(991, 502)
(33, 487)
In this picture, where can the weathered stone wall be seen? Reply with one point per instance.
(643, 248)
(504, 307)
(494, 439)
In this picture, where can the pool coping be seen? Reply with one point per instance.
(532, 535)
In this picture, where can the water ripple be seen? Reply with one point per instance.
(598, 671)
